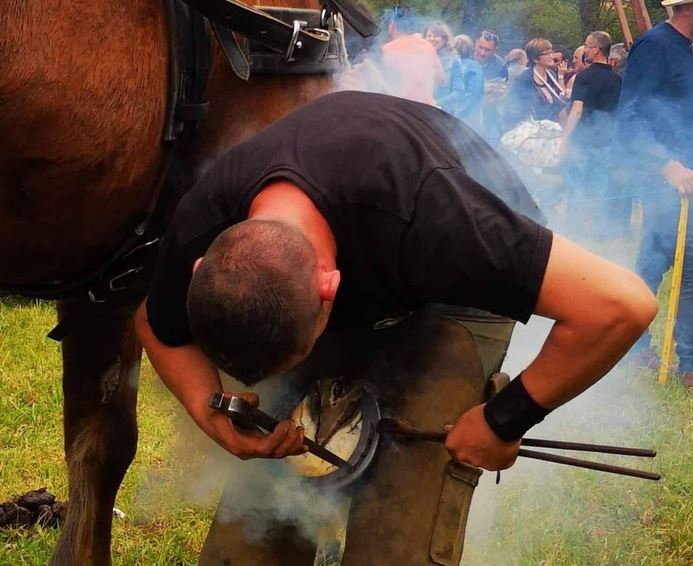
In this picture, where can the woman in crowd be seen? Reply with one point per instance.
(537, 92)
(448, 94)
(472, 97)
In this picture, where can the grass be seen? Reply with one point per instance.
(540, 514)
(158, 529)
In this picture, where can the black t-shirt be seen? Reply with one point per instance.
(598, 87)
(411, 225)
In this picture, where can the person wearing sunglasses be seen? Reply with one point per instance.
(485, 54)
(537, 92)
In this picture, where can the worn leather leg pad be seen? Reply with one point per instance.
(447, 540)
(430, 373)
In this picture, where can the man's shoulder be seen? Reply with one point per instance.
(655, 39)
(498, 61)
(407, 43)
(598, 72)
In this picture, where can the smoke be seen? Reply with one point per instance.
(258, 493)
(618, 410)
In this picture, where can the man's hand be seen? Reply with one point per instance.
(472, 441)
(192, 378)
(679, 176)
(285, 440)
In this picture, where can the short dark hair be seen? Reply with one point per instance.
(488, 35)
(253, 301)
(404, 18)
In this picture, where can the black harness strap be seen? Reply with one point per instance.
(129, 266)
(250, 57)
(356, 15)
(257, 25)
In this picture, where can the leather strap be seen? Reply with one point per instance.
(235, 55)
(356, 15)
(258, 26)
(247, 56)
(447, 540)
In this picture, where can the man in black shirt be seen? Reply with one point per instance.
(359, 200)
(588, 132)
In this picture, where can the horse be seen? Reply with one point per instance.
(84, 106)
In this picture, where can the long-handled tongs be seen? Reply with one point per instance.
(403, 428)
(249, 417)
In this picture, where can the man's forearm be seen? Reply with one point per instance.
(185, 370)
(573, 119)
(573, 358)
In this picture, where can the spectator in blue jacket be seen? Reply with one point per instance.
(449, 93)
(473, 73)
(655, 125)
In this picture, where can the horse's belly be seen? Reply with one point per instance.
(82, 106)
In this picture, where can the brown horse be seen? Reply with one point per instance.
(83, 93)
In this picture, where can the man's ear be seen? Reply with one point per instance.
(328, 282)
(197, 263)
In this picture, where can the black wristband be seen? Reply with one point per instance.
(512, 412)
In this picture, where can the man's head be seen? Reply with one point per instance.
(558, 58)
(682, 17)
(597, 47)
(401, 20)
(464, 45)
(255, 302)
(579, 59)
(617, 55)
(485, 46)
(517, 56)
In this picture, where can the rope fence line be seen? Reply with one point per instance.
(595, 199)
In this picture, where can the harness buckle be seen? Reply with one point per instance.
(114, 284)
(93, 298)
(294, 43)
(325, 17)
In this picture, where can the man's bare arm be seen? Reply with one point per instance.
(600, 310)
(192, 378)
(573, 119)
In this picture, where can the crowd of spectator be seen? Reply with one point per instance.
(579, 130)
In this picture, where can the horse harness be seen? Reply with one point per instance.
(275, 41)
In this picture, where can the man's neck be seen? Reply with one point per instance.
(283, 201)
(683, 24)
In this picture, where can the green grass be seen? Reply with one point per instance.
(543, 514)
(550, 515)
(159, 529)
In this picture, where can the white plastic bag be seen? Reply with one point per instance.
(535, 143)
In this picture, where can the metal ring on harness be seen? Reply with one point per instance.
(322, 474)
(294, 43)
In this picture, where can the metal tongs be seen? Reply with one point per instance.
(404, 428)
(249, 417)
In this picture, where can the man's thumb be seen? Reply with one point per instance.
(249, 397)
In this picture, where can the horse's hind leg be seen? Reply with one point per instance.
(101, 358)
